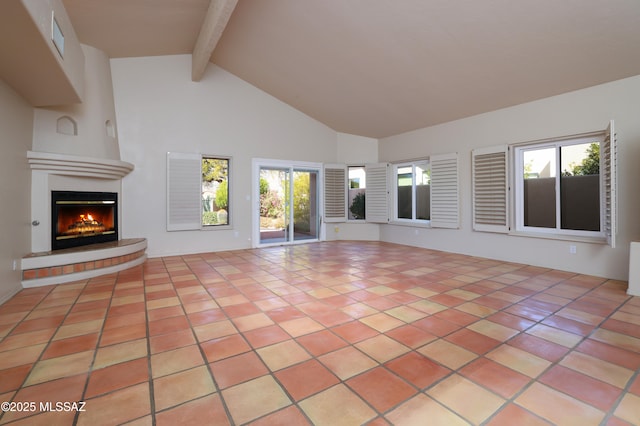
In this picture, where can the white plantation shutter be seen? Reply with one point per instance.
(608, 161)
(490, 189)
(377, 193)
(445, 202)
(335, 193)
(184, 191)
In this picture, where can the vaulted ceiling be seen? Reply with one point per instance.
(378, 67)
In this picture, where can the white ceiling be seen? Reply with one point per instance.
(382, 67)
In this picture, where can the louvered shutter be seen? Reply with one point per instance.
(377, 193)
(609, 180)
(184, 191)
(490, 189)
(445, 202)
(335, 193)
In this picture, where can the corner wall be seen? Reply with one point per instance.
(91, 116)
(353, 151)
(16, 122)
(159, 109)
(572, 113)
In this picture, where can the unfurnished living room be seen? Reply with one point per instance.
(320, 212)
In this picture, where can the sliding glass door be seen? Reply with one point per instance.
(304, 208)
(288, 207)
(274, 205)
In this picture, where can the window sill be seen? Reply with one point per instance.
(426, 224)
(560, 237)
(215, 227)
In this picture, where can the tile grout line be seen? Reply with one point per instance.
(49, 341)
(532, 380)
(152, 399)
(270, 372)
(97, 346)
(201, 350)
(33, 308)
(556, 363)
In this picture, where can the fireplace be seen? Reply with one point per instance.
(83, 218)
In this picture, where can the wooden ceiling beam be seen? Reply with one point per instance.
(212, 28)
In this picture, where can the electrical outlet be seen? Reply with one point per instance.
(15, 265)
(573, 249)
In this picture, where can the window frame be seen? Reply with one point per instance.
(229, 208)
(348, 188)
(184, 192)
(517, 182)
(394, 173)
(493, 188)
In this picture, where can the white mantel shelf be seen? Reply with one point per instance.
(71, 165)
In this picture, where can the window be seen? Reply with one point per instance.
(558, 187)
(563, 187)
(356, 192)
(215, 191)
(412, 191)
(419, 192)
(197, 191)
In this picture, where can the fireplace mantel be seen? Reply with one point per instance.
(66, 172)
(71, 165)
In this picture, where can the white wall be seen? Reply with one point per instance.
(91, 115)
(159, 109)
(355, 150)
(572, 113)
(72, 64)
(16, 122)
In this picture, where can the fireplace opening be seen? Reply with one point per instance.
(83, 218)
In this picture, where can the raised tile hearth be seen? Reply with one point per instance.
(63, 266)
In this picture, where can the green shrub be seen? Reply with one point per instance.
(209, 218)
(357, 207)
(264, 186)
(222, 195)
(271, 205)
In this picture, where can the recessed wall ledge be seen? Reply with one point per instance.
(71, 165)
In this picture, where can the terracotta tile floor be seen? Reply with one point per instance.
(328, 333)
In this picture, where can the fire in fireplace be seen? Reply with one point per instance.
(82, 218)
